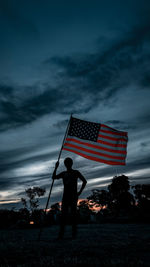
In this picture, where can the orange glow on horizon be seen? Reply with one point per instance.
(94, 208)
(47, 209)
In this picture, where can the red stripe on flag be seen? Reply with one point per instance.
(111, 132)
(111, 138)
(95, 146)
(114, 130)
(110, 144)
(94, 152)
(95, 159)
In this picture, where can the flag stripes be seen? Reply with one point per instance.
(96, 146)
(110, 137)
(110, 132)
(109, 147)
(94, 151)
(94, 158)
(110, 144)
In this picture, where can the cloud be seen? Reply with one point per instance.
(16, 21)
(103, 73)
(82, 81)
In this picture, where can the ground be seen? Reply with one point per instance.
(96, 245)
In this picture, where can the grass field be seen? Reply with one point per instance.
(96, 245)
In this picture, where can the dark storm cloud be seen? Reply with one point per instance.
(86, 79)
(144, 144)
(61, 124)
(17, 158)
(12, 114)
(16, 113)
(103, 74)
(109, 69)
(23, 157)
(121, 124)
(89, 78)
(15, 20)
(24, 181)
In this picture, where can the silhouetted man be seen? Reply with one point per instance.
(70, 194)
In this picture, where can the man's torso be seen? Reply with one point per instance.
(70, 185)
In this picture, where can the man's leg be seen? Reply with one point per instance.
(74, 218)
(63, 219)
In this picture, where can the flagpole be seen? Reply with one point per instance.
(59, 155)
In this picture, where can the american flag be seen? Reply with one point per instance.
(96, 142)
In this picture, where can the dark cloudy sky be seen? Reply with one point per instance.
(88, 57)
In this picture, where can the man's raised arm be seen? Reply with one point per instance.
(84, 182)
(54, 176)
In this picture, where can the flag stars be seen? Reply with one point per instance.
(84, 130)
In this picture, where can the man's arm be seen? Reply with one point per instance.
(84, 182)
(54, 176)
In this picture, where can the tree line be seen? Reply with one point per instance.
(119, 202)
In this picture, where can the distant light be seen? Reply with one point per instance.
(31, 222)
(46, 210)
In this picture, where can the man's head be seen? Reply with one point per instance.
(68, 163)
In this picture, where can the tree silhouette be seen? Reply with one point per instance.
(99, 198)
(141, 191)
(142, 195)
(116, 198)
(121, 198)
(119, 185)
(33, 195)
